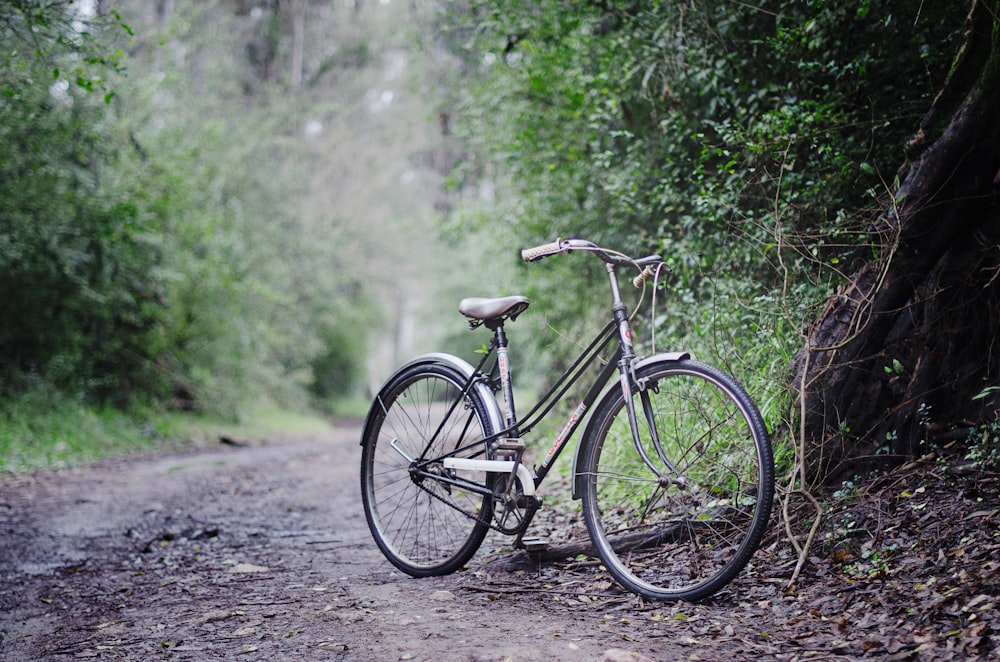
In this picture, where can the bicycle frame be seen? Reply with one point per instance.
(517, 429)
(674, 465)
(622, 359)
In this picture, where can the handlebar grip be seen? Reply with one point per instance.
(645, 275)
(544, 250)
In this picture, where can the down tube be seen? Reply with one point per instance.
(574, 421)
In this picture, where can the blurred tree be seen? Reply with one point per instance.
(76, 255)
(234, 220)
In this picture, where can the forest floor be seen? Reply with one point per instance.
(260, 550)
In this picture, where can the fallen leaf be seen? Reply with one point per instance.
(249, 567)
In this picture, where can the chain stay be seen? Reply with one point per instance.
(521, 527)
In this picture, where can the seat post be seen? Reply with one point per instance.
(503, 364)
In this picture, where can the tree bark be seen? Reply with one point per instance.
(907, 343)
(298, 11)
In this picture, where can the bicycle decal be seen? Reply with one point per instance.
(574, 419)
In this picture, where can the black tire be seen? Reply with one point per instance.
(422, 525)
(687, 535)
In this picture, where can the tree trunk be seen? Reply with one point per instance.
(909, 341)
(298, 41)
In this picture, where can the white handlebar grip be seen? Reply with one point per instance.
(644, 276)
(538, 252)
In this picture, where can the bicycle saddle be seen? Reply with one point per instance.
(488, 310)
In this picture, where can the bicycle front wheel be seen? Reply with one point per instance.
(425, 518)
(678, 515)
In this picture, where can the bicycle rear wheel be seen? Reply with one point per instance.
(681, 525)
(426, 519)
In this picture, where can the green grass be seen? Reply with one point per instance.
(58, 432)
(263, 422)
(349, 407)
(43, 429)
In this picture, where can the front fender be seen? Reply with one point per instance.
(439, 358)
(612, 390)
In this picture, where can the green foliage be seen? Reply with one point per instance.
(74, 259)
(42, 427)
(148, 250)
(76, 48)
(336, 371)
(747, 143)
(983, 446)
(252, 299)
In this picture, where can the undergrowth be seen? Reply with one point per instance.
(45, 429)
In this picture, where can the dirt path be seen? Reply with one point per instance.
(261, 552)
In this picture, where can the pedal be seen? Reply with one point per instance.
(529, 502)
(534, 544)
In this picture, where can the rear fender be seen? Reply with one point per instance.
(458, 364)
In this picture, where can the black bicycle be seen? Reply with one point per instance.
(674, 467)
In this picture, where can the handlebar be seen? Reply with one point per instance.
(544, 250)
(647, 265)
(646, 275)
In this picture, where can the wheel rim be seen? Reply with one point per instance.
(680, 536)
(421, 524)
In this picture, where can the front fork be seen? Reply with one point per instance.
(628, 380)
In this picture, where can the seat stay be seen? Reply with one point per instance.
(446, 418)
(456, 452)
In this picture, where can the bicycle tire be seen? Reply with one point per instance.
(686, 536)
(424, 526)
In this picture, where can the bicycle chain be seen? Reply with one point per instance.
(522, 527)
